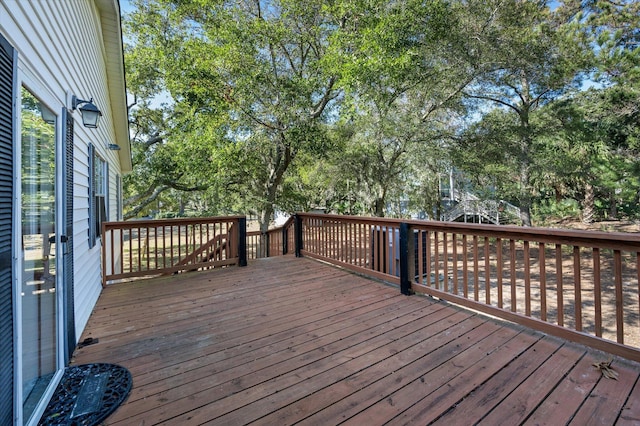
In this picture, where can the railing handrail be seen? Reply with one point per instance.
(588, 238)
(134, 223)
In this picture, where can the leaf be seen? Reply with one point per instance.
(606, 369)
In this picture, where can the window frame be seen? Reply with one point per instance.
(98, 194)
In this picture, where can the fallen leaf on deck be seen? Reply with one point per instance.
(606, 369)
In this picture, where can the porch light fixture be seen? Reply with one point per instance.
(90, 113)
(47, 115)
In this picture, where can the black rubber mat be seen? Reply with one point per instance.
(87, 394)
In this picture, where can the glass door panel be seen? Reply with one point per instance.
(39, 296)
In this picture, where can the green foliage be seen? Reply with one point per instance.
(359, 106)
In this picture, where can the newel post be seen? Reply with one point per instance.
(285, 240)
(407, 258)
(298, 234)
(242, 241)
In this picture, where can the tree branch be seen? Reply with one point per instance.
(326, 98)
(492, 99)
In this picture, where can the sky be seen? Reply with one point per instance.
(125, 6)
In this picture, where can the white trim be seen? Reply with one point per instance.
(17, 244)
(46, 396)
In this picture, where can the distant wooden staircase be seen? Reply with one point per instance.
(468, 205)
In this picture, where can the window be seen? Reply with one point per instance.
(98, 175)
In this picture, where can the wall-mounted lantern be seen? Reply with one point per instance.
(90, 113)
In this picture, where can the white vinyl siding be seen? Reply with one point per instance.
(61, 46)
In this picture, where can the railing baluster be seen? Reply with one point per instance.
(436, 259)
(512, 266)
(155, 246)
(617, 273)
(499, 270)
(343, 232)
(527, 279)
(325, 238)
(559, 289)
(121, 250)
(112, 250)
(476, 273)
(179, 243)
(543, 281)
(445, 262)
(577, 285)
(487, 271)
(454, 266)
(428, 250)
(597, 292)
(465, 267)
(139, 249)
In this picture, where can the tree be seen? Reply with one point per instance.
(535, 59)
(249, 88)
(402, 64)
(602, 140)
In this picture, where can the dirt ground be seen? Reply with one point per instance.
(604, 226)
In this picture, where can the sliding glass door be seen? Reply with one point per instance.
(39, 290)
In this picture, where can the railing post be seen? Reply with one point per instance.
(242, 241)
(298, 233)
(407, 258)
(285, 240)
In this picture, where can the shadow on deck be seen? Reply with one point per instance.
(289, 340)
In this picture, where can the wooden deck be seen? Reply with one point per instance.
(287, 340)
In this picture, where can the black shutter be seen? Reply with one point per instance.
(69, 313)
(118, 198)
(92, 197)
(7, 95)
(105, 218)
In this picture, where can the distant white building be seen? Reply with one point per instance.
(58, 181)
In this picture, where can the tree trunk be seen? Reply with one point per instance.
(588, 204)
(613, 206)
(264, 220)
(525, 193)
(525, 153)
(378, 207)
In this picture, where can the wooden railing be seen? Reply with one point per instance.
(579, 285)
(276, 242)
(153, 247)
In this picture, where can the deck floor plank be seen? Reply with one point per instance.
(520, 403)
(473, 407)
(563, 402)
(230, 371)
(323, 366)
(607, 399)
(435, 400)
(425, 377)
(630, 414)
(382, 359)
(296, 341)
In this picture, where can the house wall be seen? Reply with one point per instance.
(61, 51)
